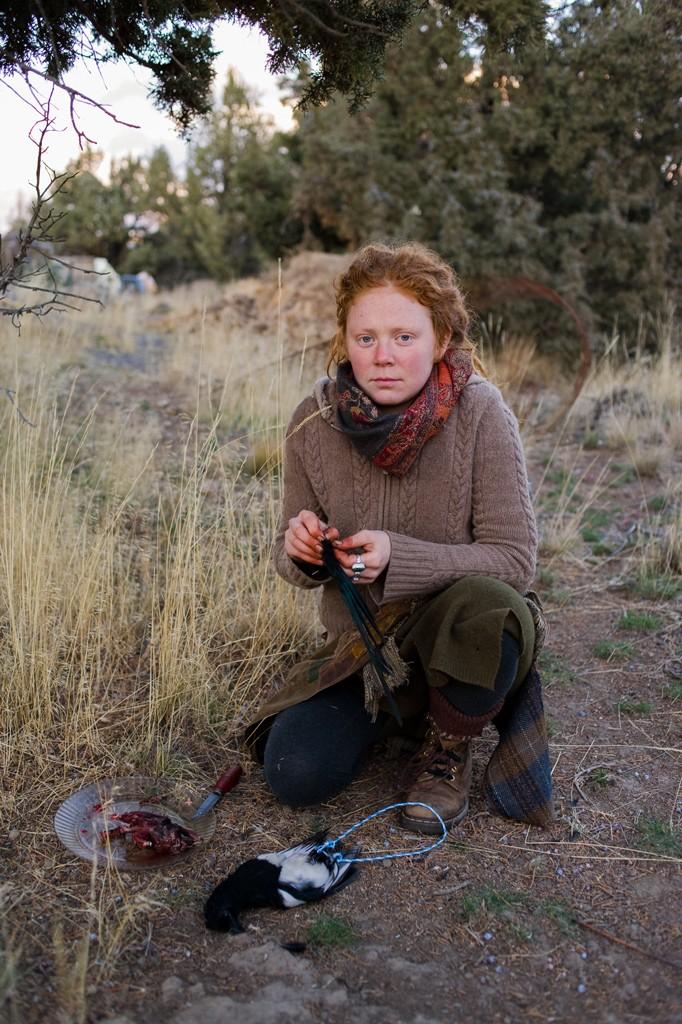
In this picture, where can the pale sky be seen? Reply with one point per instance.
(125, 89)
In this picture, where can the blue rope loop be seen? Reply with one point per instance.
(328, 847)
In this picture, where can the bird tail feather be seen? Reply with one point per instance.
(366, 625)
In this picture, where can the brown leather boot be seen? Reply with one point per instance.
(443, 781)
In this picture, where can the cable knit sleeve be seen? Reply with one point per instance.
(299, 492)
(502, 524)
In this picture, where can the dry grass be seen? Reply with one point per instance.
(118, 551)
(134, 570)
(632, 408)
(574, 495)
(526, 377)
(633, 398)
(660, 539)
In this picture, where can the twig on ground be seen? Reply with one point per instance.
(628, 945)
(587, 771)
(447, 892)
(568, 851)
(473, 935)
(675, 799)
(618, 746)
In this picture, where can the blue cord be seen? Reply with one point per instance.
(340, 858)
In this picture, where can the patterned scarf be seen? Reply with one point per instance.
(393, 440)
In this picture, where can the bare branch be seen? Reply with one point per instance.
(75, 96)
(11, 394)
(16, 271)
(70, 266)
(338, 16)
(52, 291)
(24, 99)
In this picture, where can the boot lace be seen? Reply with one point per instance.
(433, 759)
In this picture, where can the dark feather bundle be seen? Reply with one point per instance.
(366, 625)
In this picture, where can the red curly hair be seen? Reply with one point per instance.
(421, 274)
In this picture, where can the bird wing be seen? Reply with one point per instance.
(346, 874)
(292, 896)
(307, 873)
(302, 872)
(305, 878)
(303, 849)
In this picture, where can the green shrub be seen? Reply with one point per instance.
(597, 517)
(640, 621)
(600, 778)
(657, 586)
(555, 669)
(634, 707)
(590, 535)
(331, 932)
(658, 837)
(610, 650)
(487, 898)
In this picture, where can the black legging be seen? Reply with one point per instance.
(315, 749)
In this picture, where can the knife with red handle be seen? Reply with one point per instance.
(225, 783)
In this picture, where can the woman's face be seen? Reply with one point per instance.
(391, 344)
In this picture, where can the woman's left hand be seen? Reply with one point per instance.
(375, 551)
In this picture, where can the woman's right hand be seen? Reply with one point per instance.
(303, 537)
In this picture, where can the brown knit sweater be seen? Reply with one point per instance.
(463, 508)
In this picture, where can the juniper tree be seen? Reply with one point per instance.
(559, 161)
(345, 39)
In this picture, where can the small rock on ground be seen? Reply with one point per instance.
(171, 988)
(270, 959)
(275, 1003)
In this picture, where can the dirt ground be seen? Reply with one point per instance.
(503, 922)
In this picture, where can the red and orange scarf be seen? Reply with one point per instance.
(393, 440)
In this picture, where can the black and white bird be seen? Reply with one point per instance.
(289, 878)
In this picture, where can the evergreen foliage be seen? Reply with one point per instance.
(597, 141)
(560, 162)
(345, 39)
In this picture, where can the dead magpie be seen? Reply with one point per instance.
(303, 874)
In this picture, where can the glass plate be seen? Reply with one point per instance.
(85, 814)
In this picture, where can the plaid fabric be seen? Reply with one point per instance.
(518, 779)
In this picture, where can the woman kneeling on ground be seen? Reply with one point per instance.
(411, 464)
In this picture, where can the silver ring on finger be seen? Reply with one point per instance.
(358, 566)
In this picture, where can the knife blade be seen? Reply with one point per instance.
(227, 781)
